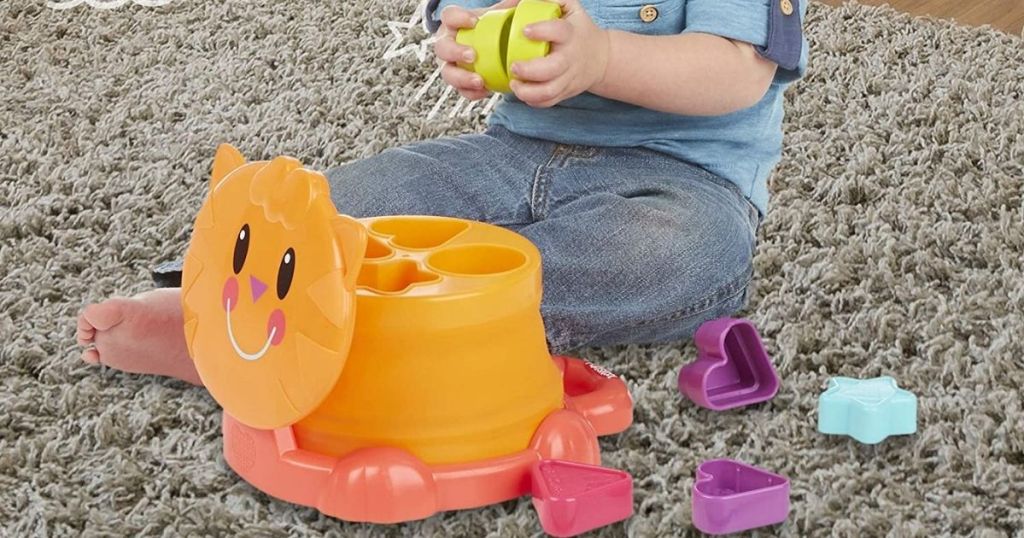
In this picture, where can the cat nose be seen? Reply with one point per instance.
(257, 287)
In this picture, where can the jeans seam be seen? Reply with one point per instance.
(498, 133)
(539, 190)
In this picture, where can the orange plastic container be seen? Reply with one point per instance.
(379, 370)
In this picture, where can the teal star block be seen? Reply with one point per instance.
(869, 410)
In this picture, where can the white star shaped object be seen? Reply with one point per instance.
(400, 31)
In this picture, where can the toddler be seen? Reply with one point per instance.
(635, 156)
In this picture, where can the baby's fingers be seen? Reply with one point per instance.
(455, 17)
(540, 94)
(556, 31)
(467, 83)
(447, 50)
(541, 69)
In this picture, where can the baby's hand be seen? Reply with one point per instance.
(454, 18)
(577, 61)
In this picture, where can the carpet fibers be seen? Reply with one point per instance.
(894, 247)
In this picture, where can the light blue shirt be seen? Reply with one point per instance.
(742, 147)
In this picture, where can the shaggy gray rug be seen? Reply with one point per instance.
(894, 247)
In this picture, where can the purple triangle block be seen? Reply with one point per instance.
(731, 496)
(732, 368)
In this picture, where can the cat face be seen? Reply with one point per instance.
(268, 289)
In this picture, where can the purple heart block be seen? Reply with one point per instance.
(732, 368)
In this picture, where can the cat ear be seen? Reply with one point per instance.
(225, 161)
(351, 237)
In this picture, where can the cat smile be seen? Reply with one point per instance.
(234, 343)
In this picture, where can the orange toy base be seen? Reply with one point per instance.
(390, 485)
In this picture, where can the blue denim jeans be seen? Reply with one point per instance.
(637, 246)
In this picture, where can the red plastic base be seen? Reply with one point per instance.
(389, 485)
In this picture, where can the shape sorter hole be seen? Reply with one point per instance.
(376, 249)
(393, 277)
(477, 260)
(419, 233)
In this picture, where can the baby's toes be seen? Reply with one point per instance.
(85, 337)
(103, 316)
(86, 333)
(91, 356)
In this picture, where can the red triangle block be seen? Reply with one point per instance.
(573, 498)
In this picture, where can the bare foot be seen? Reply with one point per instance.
(142, 335)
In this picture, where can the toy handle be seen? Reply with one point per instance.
(599, 395)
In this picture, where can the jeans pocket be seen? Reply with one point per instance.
(653, 17)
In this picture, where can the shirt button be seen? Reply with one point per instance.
(649, 13)
(787, 7)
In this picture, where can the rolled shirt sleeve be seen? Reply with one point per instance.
(774, 27)
(432, 10)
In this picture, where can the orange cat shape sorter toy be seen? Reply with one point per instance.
(381, 369)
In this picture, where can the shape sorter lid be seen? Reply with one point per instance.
(268, 289)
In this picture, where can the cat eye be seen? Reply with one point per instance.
(241, 249)
(285, 273)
